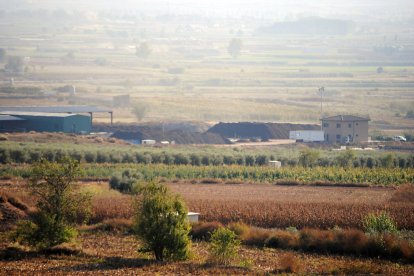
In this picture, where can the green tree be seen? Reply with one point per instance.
(140, 110)
(223, 246)
(235, 46)
(308, 158)
(59, 205)
(161, 223)
(143, 50)
(345, 159)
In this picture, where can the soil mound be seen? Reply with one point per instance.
(183, 135)
(11, 210)
(248, 130)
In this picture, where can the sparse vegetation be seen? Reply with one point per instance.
(59, 207)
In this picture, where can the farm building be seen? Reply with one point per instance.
(68, 109)
(44, 122)
(345, 129)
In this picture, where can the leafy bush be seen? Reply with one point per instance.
(59, 207)
(223, 246)
(5, 156)
(161, 223)
(308, 158)
(379, 224)
(90, 157)
(18, 156)
(102, 157)
(345, 158)
(125, 182)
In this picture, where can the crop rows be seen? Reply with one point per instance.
(296, 175)
(30, 153)
(271, 214)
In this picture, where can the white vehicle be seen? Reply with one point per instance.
(399, 139)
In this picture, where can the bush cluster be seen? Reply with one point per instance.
(335, 241)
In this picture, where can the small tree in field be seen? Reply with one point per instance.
(223, 246)
(161, 223)
(59, 206)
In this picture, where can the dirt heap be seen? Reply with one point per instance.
(183, 135)
(248, 130)
(11, 210)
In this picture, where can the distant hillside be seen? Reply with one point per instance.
(310, 26)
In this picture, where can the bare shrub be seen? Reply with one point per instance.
(203, 230)
(289, 263)
(404, 193)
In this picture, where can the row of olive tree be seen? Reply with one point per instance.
(307, 158)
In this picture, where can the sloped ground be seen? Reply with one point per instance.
(11, 210)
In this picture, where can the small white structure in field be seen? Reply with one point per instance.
(148, 142)
(275, 164)
(164, 142)
(193, 217)
(307, 135)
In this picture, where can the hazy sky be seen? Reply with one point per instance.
(276, 8)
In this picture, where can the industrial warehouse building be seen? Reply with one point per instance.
(45, 122)
(49, 118)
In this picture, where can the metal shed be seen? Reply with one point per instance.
(70, 109)
(47, 122)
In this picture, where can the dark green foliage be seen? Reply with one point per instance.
(168, 159)
(229, 160)
(90, 157)
(181, 159)
(308, 158)
(224, 246)
(59, 206)
(195, 160)
(161, 223)
(102, 157)
(217, 160)
(387, 161)
(128, 158)
(76, 155)
(18, 155)
(345, 158)
(262, 160)
(371, 163)
(205, 160)
(249, 160)
(49, 155)
(5, 156)
(125, 182)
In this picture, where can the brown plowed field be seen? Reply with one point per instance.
(272, 206)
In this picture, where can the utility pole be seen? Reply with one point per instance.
(321, 90)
